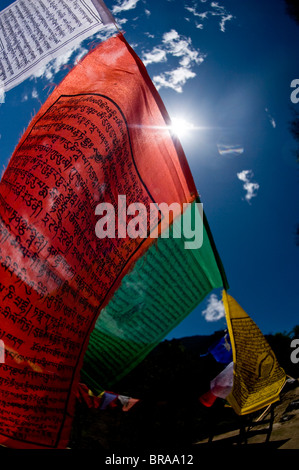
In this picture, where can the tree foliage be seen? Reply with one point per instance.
(292, 7)
(168, 383)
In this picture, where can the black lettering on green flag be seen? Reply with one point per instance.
(164, 286)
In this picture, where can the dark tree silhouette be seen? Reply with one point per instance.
(292, 7)
(294, 333)
(294, 128)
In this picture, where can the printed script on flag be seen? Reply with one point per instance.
(258, 377)
(162, 288)
(33, 32)
(102, 132)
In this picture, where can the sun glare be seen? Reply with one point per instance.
(180, 127)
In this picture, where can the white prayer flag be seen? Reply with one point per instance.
(33, 32)
(222, 384)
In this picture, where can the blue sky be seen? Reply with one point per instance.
(224, 70)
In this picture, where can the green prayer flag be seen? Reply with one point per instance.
(164, 286)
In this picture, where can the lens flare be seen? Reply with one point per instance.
(180, 127)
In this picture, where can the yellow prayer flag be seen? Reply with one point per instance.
(258, 377)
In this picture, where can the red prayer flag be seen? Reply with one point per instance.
(102, 132)
(207, 399)
(86, 396)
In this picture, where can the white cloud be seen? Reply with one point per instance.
(216, 5)
(233, 150)
(273, 123)
(223, 21)
(124, 5)
(195, 13)
(192, 10)
(174, 79)
(80, 55)
(178, 47)
(181, 47)
(203, 15)
(250, 187)
(51, 68)
(216, 10)
(271, 119)
(215, 309)
(34, 93)
(121, 21)
(170, 36)
(156, 55)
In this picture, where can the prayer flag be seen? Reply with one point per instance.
(222, 350)
(108, 399)
(35, 32)
(162, 288)
(258, 378)
(85, 395)
(2, 352)
(208, 399)
(222, 384)
(127, 402)
(102, 139)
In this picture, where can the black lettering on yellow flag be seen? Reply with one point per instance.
(258, 377)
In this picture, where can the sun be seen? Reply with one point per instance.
(180, 126)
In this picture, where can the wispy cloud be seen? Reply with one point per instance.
(215, 309)
(175, 46)
(195, 13)
(231, 150)
(34, 93)
(81, 53)
(174, 79)
(149, 35)
(223, 21)
(50, 69)
(68, 59)
(250, 187)
(271, 119)
(124, 5)
(215, 10)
